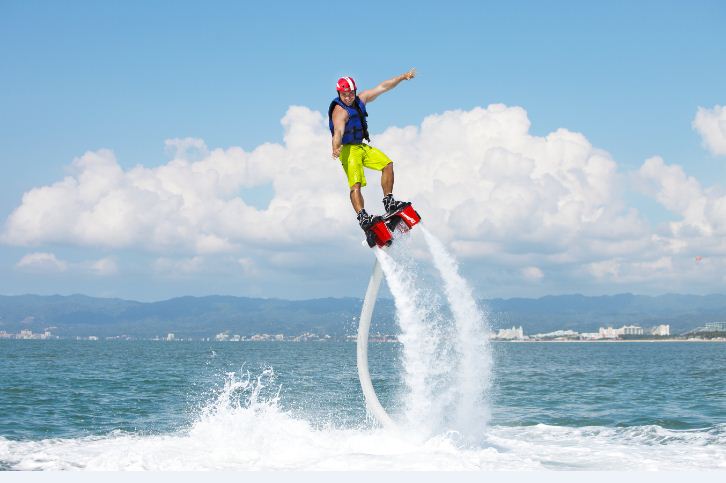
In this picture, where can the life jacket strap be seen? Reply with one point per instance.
(363, 121)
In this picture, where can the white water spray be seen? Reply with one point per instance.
(474, 369)
(446, 360)
(417, 338)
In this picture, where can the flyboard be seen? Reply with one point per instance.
(379, 234)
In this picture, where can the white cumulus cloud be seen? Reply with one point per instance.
(711, 125)
(41, 262)
(702, 211)
(532, 273)
(496, 193)
(44, 262)
(192, 206)
(103, 267)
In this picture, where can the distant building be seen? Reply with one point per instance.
(25, 334)
(170, 336)
(221, 337)
(632, 330)
(308, 336)
(590, 335)
(661, 330)
(609, 333)
(510, 334)
(715, 327)
(558, 334)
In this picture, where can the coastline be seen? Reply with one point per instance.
(610, 341)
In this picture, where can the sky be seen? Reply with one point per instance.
(158, 149)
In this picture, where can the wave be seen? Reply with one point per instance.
(244, 428)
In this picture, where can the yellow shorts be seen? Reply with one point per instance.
(354, 157)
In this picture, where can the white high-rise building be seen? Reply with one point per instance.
(610, 333)
(511, 334)
(632, 330)
(661, 330)
(25, 334)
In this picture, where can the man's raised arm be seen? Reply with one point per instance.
(370, 95)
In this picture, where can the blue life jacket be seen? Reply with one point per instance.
(356, 128)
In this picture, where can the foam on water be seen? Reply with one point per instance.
(243, 428)
(605, 448)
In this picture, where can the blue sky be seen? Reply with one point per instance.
(127, 76)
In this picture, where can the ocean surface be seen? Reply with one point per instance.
(138, 405)
(457, 400)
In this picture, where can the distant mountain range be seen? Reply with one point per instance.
(206, 316)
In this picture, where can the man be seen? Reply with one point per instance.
(347, 120)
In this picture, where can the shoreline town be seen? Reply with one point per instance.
(710, 332)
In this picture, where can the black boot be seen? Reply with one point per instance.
(364, 219)
(391, 205)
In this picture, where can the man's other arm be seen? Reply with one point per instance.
(340, 117)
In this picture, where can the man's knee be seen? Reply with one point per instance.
(355, 187)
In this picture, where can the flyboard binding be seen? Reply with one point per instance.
(380, 231)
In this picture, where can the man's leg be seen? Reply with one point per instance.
(387, 179)
(351, 158)
(389, 203)
(376, 159)
(356, 197)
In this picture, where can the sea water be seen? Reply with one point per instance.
(459, 401)
(282, 405)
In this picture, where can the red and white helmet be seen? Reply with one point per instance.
(345, 84)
